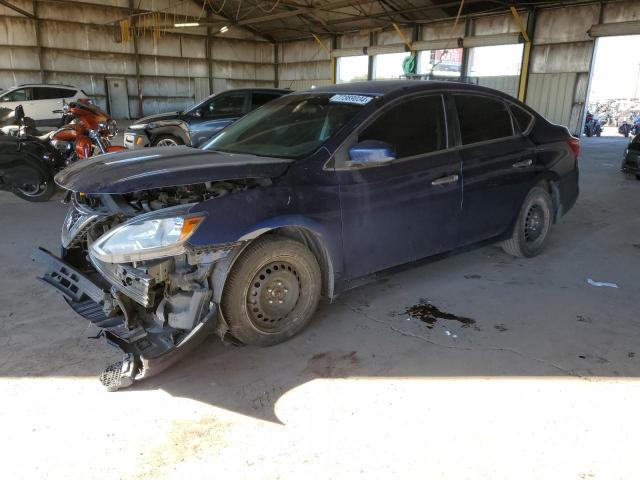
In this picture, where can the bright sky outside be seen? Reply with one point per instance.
(617, 68)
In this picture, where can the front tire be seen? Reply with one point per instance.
(532, 228)
(272, 291)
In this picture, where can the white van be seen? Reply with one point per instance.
(40, 100)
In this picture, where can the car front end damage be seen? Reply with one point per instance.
(128, 268)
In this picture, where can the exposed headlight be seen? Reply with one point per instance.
(138, 126)
(146, 238)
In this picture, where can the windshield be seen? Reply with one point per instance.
(291, 126)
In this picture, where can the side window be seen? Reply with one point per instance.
(225, 106)
(19, 95)
(413, 127)
(45, 93)
(523, 118)
(482, 118)
(259, 99)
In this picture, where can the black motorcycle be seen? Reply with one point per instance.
(28, 162)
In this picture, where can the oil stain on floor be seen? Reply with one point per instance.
(430, 314)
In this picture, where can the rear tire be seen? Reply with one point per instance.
(532, 228)
(167, 141)
(271, 292)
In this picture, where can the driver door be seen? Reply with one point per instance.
(409, 208)
(219, 112)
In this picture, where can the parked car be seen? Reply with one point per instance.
(40, 100)
(631, 160)
(301, 198)
(197, 124)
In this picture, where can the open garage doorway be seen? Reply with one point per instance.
(613, 105)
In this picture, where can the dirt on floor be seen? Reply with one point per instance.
(538, 380)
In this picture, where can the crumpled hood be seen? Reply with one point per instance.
(149, 168)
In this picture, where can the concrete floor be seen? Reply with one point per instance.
(544, 385)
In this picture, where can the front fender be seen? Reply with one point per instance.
(244, 216)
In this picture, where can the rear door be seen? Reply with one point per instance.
(217, 113)
(49, 99)
(498, 166)
(409, 208)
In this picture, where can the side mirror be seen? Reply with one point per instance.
(19, 113)
(372, 152)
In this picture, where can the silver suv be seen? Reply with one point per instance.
(39, 100)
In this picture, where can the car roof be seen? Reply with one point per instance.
(22, 85)
(390, 87)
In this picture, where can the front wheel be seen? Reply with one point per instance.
(271, 292)
(167, 141)
(533, 225)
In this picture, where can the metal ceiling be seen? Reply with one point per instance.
(280, 20)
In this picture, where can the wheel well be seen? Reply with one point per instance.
(313, 243)
(551, 186)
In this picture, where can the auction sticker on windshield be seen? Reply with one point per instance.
(357, 99)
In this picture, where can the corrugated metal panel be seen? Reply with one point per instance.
(496, 24)
(311, 71)
(444, 30)
(566, 24)
(563, 57)
(17, 31)
(621, 11)
(352, 40)
(552, 95)
(26, 5)
(19, 58)
(507, 84)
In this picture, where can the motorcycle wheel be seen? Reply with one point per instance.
(36, 193)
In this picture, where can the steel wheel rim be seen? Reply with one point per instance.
(273, 295)
(167, 142)
(534, 223)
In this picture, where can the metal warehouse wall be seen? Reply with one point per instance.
(560, 62)
(78, 47)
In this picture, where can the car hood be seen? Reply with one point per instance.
(135, 170)
(160, 116)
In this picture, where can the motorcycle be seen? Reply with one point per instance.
(88, 132)
(28, 162)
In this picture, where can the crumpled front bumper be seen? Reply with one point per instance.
(145, 353)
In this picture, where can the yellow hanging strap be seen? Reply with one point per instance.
(524, 71)
(404, 38)
(333, 60)
(125, 31)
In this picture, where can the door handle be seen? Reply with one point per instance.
(445, 180)
(523, 164)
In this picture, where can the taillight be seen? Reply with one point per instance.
(574, 145)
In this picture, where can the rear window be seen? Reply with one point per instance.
(522, 118)
(482, 118)
(51, 93)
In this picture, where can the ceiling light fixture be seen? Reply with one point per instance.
(224, 29)
(179, 25)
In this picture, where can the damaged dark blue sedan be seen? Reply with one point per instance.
(300, 199)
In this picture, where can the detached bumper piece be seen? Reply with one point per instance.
(145, 353)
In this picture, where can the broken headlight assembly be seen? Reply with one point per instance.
(147, 237)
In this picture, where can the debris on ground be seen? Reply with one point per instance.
(591, 281)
